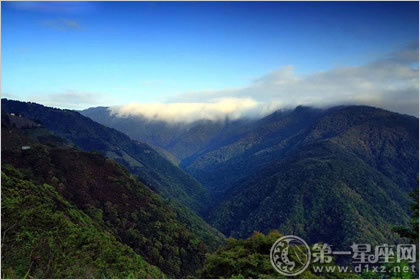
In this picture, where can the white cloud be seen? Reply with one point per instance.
(391, 83)
(188, 112)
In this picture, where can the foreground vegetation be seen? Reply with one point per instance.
(249, 258)
(44, 236)
(102, 200)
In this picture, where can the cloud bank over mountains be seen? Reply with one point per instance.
(191, 111)
(391, 83)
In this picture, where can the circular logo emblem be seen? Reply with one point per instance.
(290, 255)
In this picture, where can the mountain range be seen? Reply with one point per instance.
(167, 193)
(336, 175)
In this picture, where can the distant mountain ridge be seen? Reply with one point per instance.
(336, 175)
(180, 139)
(247, 137)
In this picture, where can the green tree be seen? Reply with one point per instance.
(411, 232)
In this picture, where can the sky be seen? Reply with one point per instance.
(174, 60)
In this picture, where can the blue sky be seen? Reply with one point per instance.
(81, 54)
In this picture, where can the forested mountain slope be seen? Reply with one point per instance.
(344, 178)
(140, 159)
(45, 236)
(323, 193)
(119, 207)
(260, 143)
(386, 141)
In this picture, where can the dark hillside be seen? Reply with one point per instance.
(45, 236)
(115, 199)
(142, 160)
